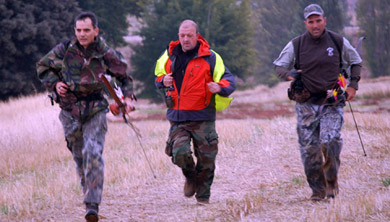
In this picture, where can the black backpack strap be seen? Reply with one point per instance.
(338, 48)
(296, 65)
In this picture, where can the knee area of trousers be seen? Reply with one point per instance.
(330, 143)
(329, 137)
(181, 158)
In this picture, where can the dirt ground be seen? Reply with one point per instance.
(259, 176)
(164, 196)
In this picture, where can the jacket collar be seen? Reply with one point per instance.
(97, 48)
(204, 47)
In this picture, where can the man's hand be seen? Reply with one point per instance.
(351, 92)
(214, 87)
(294, 74)
(61, 88)
(290, 78)
(168, 80)
(129, 106)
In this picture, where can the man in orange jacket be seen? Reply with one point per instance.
(199, 84)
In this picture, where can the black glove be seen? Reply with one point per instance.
(295, 74)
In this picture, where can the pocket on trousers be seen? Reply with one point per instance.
(212, 138)
(169, 147)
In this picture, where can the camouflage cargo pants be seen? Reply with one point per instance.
(320, 144)
(86, 141)
(205, 142)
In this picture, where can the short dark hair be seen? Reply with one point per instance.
(84, 15)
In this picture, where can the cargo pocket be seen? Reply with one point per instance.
(212, 138)
(210, 148)
(169, 146)
(173, 131)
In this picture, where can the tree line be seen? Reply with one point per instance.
(248, 34)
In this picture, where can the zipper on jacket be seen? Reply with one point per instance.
(185, 86)
(178, 106)
(178, 97)
(205, 92)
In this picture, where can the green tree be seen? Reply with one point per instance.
(374, 21)
(29, 29)
(112, 17)
(272, 34)
(224, 23)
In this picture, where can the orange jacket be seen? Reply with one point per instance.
(195, 102)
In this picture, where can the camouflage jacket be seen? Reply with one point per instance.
(81, 70)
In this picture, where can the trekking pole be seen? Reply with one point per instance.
(358, 48)
(138, 135)
(357, 129)
(121, 105)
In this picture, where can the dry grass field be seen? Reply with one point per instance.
(259, 175)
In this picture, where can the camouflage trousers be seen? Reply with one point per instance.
(86, 141)
(205, 142)
(320, 144)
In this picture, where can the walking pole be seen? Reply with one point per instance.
(121, 105)
(357, 129)
(138, 135)
(358, 47)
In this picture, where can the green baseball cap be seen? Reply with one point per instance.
(312, 9)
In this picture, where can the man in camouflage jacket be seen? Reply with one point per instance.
(71, 72)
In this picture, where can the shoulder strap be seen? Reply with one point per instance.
(296, 65)
(338, 48)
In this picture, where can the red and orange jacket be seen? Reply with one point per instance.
(195, 102)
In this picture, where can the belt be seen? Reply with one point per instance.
(91, 97)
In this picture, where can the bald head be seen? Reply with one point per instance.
(187, 24)
(188, 35)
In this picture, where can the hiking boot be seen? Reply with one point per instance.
(315, 197)
(92, 212)
(202, 201)
(91, 216)
(189, 187)
(331, 192)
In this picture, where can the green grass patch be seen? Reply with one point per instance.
(298, 181)
(374, 95)
(386, 182)
(4, 209)
(126, 159)
(154, 111)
